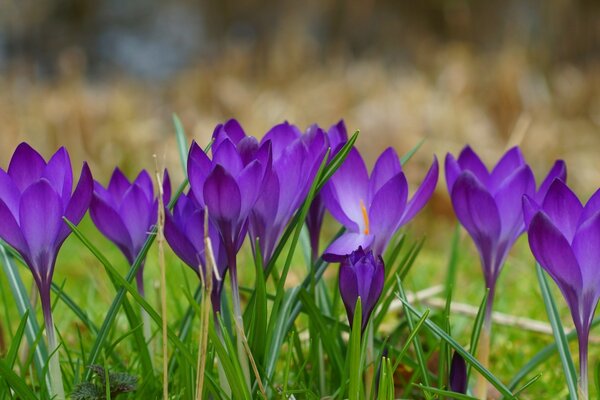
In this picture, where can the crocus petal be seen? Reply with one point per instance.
(144, 181)
(452, 170)
(348, 289)
(109, 222)
(510, 161)
(558, 171)
(470, 161)
(247, 149)
(9, 193)
(227, 156)
(136, 213)
(78, 203)
(337, 134)
(222, 195)
(530, 207)
(587, 251)
(563, 207)
(10, 231)
(458, 379)
(350, 184)
(345, 245)
(281, 136)
(166, 186)
(477, 212)
(386, 167)
(198, 168)
(423, 194)
(118, 185)
(181, 244)
(376, 288)
(553, 252)
(591, 207)
(250, 185)
(331, 201)
(40, 218)
(26, 166)
(59, 173)
(387, 207)
(509, 200)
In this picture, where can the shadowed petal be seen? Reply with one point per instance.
(423, 194)
(144, 181)
(509, 200)
(586, 246)
(227, 156)
(108, 221)
(40, 218)
(458, 379)
(558, 171)
(386, 167)
(26, 166)
(78, 203)
(250, 183)
(554, 253)
(166, 186)
(198, 168)
(563, 208)
(470, 161)
(345, 245)
(350, 184)
(387, 207)
(10, 231)
(9, 193)
(348, 289)
(118, 185)
(222, 195)
(508, 164)
(337, 134)
(452, 170)
(530, 207)
(59, 174)
(181, 244)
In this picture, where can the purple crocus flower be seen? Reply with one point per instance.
(336, 137)
(564, 237)
(125, 213)
(296, 159)
(361, 275)
(35, 196)
(184, 231)
(458, 380)
(229, 185)
(372, 208)
(488, 204)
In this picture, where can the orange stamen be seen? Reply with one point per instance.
(365, 216)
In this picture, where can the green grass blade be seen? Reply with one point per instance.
(527, 384)
(258, 317)
(355, 367)
(405, 158)
(477, 326)
(15, 382)
(542, 356)
(505, 391)
(446, 393)
(181, 143)
(21, 298)
(559, 333)
(11, 356)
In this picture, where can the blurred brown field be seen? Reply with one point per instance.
(451, 73)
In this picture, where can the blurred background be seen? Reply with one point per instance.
(105, 77)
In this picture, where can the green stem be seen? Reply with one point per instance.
(57, 391)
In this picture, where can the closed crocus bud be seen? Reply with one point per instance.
(458, 374)
(361, 275)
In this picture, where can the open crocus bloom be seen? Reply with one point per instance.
(125, 212)
(564, 237)
(34, 198)
(296, 159)
(372, 208)
(488, 204)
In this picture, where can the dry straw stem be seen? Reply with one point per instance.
(205, 308)
(160, 239)
(240, 332)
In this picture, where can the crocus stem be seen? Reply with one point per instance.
(139, 278)
(583, 365)
(56, 391)
(237, 311)
(483, 350)
(370, 370)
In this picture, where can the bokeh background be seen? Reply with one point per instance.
(105, 77)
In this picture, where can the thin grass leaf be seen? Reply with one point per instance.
(13, 351)
(355, 367)
(15, 382)
(527, 384)
(21, 298)
(505, 391)
(542, 356)
(181, 143)
(559, 333)
(405, 158)
(446, 393)
(412, 335)
(418, 349)
(477, 327)
(258, 318)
